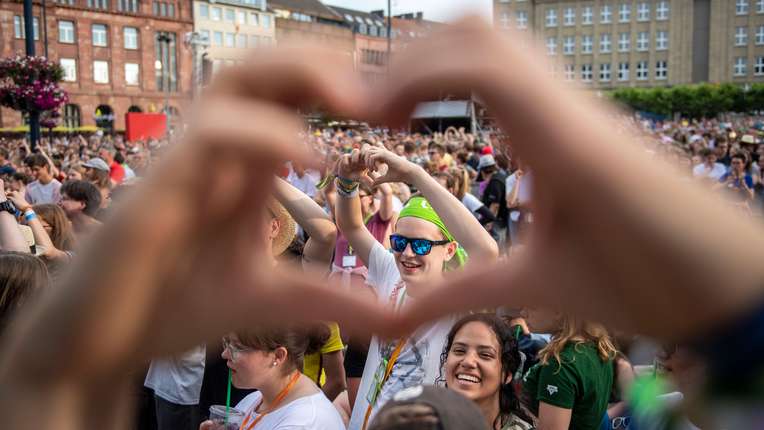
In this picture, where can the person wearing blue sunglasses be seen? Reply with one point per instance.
(434, 233)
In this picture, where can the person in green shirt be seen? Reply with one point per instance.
(570, 386)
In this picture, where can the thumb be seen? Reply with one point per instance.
(367, 180)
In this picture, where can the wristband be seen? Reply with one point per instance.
(344, 185)
(29, 215)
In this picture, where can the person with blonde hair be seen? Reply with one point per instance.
(570, 385)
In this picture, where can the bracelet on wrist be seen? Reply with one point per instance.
(29, 215)
(346, 181)
(345, 186)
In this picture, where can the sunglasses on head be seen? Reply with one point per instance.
(419, 246)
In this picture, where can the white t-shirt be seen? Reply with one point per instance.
(306, 184)
(714, 173)
(419, 360)
(178, 379)
(39, 193)
(523, 194)
(314, 412)
(471, 202)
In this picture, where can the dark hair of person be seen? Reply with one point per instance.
(36, 160)
(119, 158)
(502, 161)
(61, 231)
(298, 340)
(509, 355)
(21, 276)
(740, 156)
(409, 147)
(450, 181)
(85, 192)
(4, 153)
(437, 146)
(23, 177)
(705, 152)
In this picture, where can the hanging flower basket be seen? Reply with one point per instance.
(30, 84)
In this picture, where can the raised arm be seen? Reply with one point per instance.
(308, 214)
(460, 222)
(11, 238)
(351, 171)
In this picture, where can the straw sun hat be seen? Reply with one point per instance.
(287, 227)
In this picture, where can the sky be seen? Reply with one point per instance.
(435, 10)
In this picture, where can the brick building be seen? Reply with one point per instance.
(370, 41)
(310, 20)
(118, 56)
(644, 43)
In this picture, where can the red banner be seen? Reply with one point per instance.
(142, 126)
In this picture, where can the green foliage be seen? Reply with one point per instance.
(693, 101)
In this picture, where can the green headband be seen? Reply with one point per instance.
(419, 207)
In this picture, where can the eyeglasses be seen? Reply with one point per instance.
(419, 246)
(235, 350)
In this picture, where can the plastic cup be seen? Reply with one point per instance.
(218, 416)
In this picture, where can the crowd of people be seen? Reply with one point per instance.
(168, 238)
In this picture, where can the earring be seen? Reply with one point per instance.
(274, 364)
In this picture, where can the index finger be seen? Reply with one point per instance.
(300, 77)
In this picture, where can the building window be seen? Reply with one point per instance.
(241, 40)
(643, 41)
(98, 4)
(504, 20)
(740, 66)
(131, 38)
(229, 40)
(265, 21)
(128, 6)
(230, 15)
(624, 13)
(69, 2)
(623, 71)
(216, 13)
(569, 45)
(205, 35)
(604, 43)
(100, 72)
(165, 46)
(741, 36)
(522, 20)
(606, 14)
(624, 42)
(100, 37)
(241, 17)
(662, 11)
(758, 68)
(760, 35)
(171, 10)
(551, 17)
(570, 72)
(66, 31)
(741, 7)
(253, 19)
(19, 29)
(642, 71)
(218, 40)
(204, 11)
(759, 6)
(586, 16)
(71, 116)
(586, 72)
(70, 69)
(605, 72)
(132, 74)
(643, 12)
(661, 70)
(661, 41)
(551, 46)
(586, 44)
(570, 16)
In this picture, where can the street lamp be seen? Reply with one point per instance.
(165, 70)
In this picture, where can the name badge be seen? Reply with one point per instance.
(349, 261)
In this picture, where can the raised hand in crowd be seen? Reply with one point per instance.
(187, 267)
(605, 236)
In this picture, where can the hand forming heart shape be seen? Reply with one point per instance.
(615, 236)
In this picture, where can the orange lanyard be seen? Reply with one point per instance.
(279, 398)
(397, 302)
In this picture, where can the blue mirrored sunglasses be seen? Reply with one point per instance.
(419, 246)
